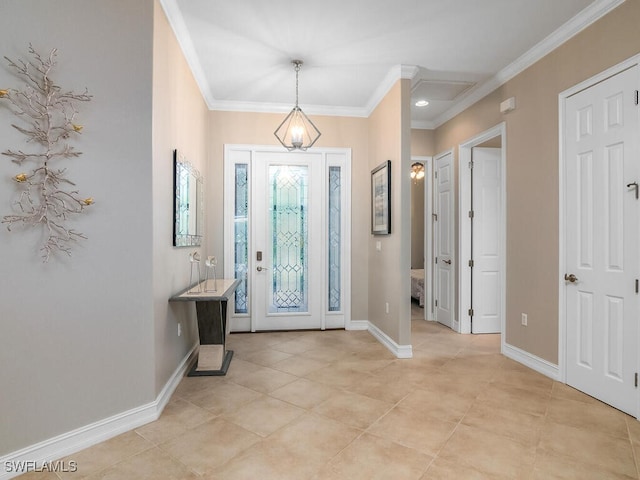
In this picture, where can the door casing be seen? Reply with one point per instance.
(464, 225)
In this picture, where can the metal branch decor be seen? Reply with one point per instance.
(46, 198)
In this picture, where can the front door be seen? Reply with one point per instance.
(287, 237)
(287, 241)
(601, 131)
(444, 236)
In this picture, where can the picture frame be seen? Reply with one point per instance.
(381, 199)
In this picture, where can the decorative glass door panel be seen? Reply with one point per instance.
(289, 237)
(287, 241)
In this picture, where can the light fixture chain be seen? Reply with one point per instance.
(297, 72)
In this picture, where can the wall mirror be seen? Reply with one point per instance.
(188, 203)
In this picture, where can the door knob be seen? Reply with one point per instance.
(448, 262)
(570, 277)
(259, 268)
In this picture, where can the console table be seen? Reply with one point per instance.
(211, 299)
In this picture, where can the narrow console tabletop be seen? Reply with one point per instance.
(220, 289)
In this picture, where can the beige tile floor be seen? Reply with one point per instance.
(337, 405)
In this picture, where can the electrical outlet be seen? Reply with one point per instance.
(524, 319)
(179, 329)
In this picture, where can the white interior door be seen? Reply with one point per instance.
(444, 235)
(601, 240)
(486, 205)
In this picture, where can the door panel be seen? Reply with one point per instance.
(444, 234)
(601, 215)
(486, 205)
(288, 224)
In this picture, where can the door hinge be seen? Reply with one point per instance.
(471, 213)
(637, 286)
(436, 303)
(471, 165)
(435, 174)
(471, 263)
(637, 99)
(636, 380)
(471, 312)
(436, 260)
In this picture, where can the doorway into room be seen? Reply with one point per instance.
(422, 237)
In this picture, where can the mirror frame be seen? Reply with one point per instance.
(193, 236)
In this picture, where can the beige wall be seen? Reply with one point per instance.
(180, 120)
(422, 145)
(257, 129)
(532, 168)
(389, 268)
(417, 223)
(423, 142)
(77, 333)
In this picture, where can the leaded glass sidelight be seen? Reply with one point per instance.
(334, 243)
(241, 237)
(288, 204)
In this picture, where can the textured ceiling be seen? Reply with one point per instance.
(354, 50)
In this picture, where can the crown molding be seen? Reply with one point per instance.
(261, 107)
(575, 25)
(396, 73)
(572, 27)
(176, 21)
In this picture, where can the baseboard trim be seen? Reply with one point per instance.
(84, 437)
(534, 362)
(400, 351)
(357, 325)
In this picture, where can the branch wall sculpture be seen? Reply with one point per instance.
(46, 197)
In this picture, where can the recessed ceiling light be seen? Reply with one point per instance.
(422, 103)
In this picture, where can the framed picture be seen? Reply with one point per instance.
(381, 199)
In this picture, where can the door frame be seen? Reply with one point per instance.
(247, 152)
(427, 235)
(562, 310)
(464, 226)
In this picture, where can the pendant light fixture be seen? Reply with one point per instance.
(417, 171)
(297, 132)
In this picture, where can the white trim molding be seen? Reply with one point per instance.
(464, 228)
(400, 351)
(586, 17)
(70, 442)
(532, 361)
